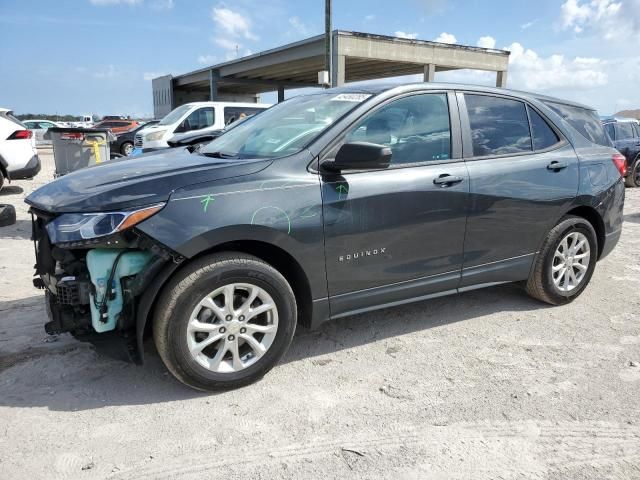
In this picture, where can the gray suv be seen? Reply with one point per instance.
(326, 205)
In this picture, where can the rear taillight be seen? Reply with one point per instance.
(72, 136)
(20, 135)
(620, 162)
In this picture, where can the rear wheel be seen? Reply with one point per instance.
(224, 321)
(633, 177)
(565, 264)
(126, 148)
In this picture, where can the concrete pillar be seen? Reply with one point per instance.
(214, 76)
(429, 72)
(501, 79)
(338, 70)
(280, 94)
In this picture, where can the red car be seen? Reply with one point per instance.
(117, 126)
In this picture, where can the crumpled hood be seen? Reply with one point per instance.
(132, 182)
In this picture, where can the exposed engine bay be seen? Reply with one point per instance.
(93, 287)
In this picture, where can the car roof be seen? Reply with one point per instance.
(619, 120)
(228, 104)
(380, 87)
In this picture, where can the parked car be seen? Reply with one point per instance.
(117, 126)
(193, 118)
(113, 117)
(204, 136)
(625, 133)
(123, 144)
(39, 128)
(327, 205)
(18, 154)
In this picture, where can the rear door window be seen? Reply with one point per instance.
(543, 135)
(499, 126)
(625, 130)
(585, 121)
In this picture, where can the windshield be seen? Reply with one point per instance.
(285, 128)
(174, 115)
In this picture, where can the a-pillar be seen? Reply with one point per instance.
(429, 72)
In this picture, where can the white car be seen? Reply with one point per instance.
(18, 155)
(194, 118)
(39, 128)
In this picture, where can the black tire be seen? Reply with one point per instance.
(632, 180)
(540, 284)
(188, 287)
(7, 215)
(124, 147)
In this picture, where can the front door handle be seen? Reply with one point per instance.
(446, 180)
(555, 166)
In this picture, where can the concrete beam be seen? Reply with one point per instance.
(501, 79)
(214, 75)
(422, 53)
(429, 72)
(338, 70)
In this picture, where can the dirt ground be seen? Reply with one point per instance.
(485, 385)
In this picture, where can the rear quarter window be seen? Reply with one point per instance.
(585, 121)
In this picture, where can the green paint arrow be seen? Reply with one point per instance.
(206, 201)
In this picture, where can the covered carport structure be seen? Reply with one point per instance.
(355, 57)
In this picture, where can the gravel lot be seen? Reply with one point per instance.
(488, 384)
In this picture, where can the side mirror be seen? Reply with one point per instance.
(360, 156)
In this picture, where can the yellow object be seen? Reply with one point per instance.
(95, 146)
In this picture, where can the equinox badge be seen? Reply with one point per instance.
(364, 253)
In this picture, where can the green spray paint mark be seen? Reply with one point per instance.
(342, 191)
(253, 217)
(206, 201)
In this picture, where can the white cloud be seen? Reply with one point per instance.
(611, 19)
(401, 34)
(107, 71)
(369, 17)
(233, 23)
(530, 71)
(445, 37)
(530, 24)
(487, 42)
(207, 59)
(298, 26)
(227, 44)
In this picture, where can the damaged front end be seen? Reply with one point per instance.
(96, 269)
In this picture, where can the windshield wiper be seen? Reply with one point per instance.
(218, 155)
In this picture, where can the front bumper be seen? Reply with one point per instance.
(30, 170)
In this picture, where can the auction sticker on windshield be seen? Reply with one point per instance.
(351, 97)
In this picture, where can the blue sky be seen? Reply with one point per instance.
(98, 56)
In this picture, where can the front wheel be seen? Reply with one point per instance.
(224, 321)
(565, 263)
(126, 148)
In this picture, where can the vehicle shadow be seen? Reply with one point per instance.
(68, 375)
(632, 217)
(20, 229)
(11, 190)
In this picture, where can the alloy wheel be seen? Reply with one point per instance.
(570, 261)
(232, 327)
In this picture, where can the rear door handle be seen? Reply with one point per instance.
(446, 180)
(555, 166)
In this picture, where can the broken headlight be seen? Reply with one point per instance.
(74, 227)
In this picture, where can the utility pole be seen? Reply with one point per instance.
(328, 40)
